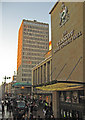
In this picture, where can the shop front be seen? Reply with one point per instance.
(22, 88)
(43, 97)
(67, 99)
(71, 104)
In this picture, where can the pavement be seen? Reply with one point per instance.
(0, 111)
(7, 114)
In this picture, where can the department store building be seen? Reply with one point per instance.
(67, 82)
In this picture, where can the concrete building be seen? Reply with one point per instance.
(13, 83)
(68, 60)
(42, 74)
(33, 43)
(67, 50)
(8, 89)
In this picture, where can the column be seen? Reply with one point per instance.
(55, 104)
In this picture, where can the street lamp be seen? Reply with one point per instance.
(6, 78)
(3, 86)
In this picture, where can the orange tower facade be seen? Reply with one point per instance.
(33, 43)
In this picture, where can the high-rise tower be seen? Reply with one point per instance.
(33, 43)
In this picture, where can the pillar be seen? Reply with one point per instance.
(55, 104)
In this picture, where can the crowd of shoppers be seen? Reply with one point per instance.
(32, 110)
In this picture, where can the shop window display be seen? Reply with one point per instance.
(69, 102)
(68, 97)
(75, 98)
(62, 97)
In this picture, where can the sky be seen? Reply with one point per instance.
(12, 14)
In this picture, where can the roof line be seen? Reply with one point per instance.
(35, 22)
(54, 6)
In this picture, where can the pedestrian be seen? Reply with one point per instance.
(34, 118)
(2, 108)
(27, 105)
(7, 105)
(39, 117)
(23, 117)
(50, 109)
(47, 115)
(26, 117)
(51, 103)
(52, 117)
(46, 105)
(31, 117)
(31, 108)
(44, 111)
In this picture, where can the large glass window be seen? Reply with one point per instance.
(69, 97)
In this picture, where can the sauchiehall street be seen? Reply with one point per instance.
(60, 77)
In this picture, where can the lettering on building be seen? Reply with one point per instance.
(67, 39)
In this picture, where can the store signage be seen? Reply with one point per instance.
(64, 15)
(67, 39)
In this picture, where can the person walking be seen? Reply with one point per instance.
(39, 117)
(7, 105)
(31, 117)
(44, 112)
(2, 108)
(50, 109)
(26, 117)
(23, 117)
(31, 108)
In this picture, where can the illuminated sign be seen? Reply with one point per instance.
(50, 45)
(67, 38)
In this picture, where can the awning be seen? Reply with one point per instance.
(60, 87)
(21, 84)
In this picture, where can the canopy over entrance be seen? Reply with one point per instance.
(61, 86)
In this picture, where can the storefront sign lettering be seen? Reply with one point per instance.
(67, 39)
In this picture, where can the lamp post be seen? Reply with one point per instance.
(6, 78)
(3, 86)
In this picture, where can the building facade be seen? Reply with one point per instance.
(33, 39)
(67, 27)
(68, 80)
(41, 74)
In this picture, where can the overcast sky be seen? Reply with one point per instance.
(12, 14)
